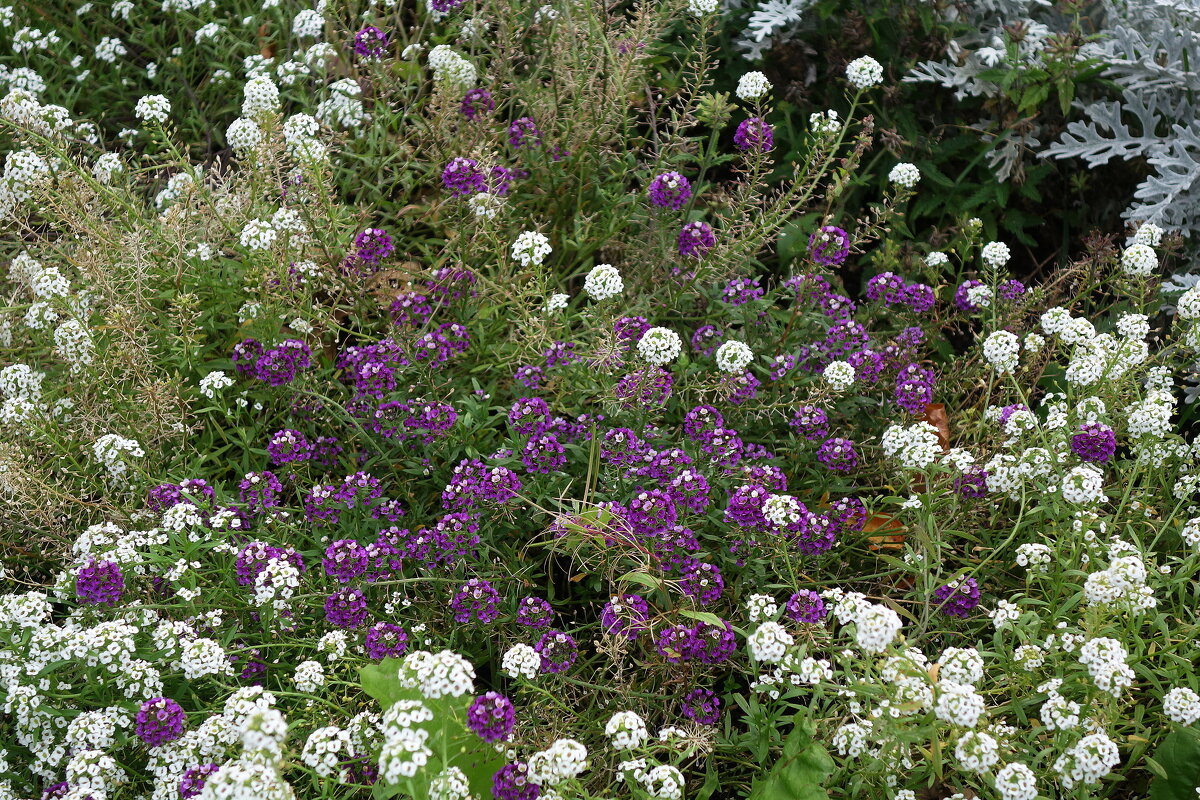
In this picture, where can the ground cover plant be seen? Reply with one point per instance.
(469, 402)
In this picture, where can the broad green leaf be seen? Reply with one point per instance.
(801, 769)
(1179, 758)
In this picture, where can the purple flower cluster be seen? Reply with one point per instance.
(512, 782)
(159, 720)
(806, 606)
(277, 366)
(702, 706)
(838, 455)
(372, 246)
(534, 612)
(287, 446)
(462, 177)
(477, 102)
(385, 640)
(558, 651)
(100, 583)
(192, 782)
(670, 190)
(169, 495)
(1094, 443)
(914, 388)
(492, 717)
(892, 290)
(474, 483)
(810, 422)
(370, 42)
(740, 291)
(703, 642)
(754, 134)
(696, 239)
(644, 388)
(957, 599)
(475, 601)
(346, 608)
(625, 615)
(524, 133)
(828, 247)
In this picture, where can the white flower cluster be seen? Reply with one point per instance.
(838, 375)
(958, 704)
(995, 254)
(875, 626)
(1182, 705)
(1105, 659)
(451, 68)
(530, 248)
(214, 383)
(1002, 349)
(626, 730)
(325, 749)
(404, 751)
(1122, 584)
(521, 661)
(153, 108)
(603, 282)
(1139, 260)
(342, 109)
(1088, 761)
(905, 175)
(769, 642)
(781, 510)
(1083, 485)
(824, 124)
(733, 356)
(753, 86)
(914, 446)
(111, 450)
(659, 346)
(864, 72)
(561, 761)
(443, 674)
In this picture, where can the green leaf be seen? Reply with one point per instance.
(1179, 758)
(800, 770)
(642, 579)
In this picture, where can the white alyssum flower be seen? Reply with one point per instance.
(914, 446)
(557, 302)
(753, 86)
(824, 124)
(905, 174)
(521, 661)
(781, 510)
(701, 8)
(258, 234)
(153, 108)
(838, 375)
(660, 346)
(1139, 259)
(769, 642)
(1182, 705)
(734, 356)
(1016, 781)
(876, 627)
(531, 248)
(626, 730)
(1002, 350)
(995, 254)
(309, 677)
(958, 704)
(864, 72)
(563, 760)
(603, 282)
(1148, 234)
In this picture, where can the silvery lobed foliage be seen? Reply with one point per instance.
(1151, 49)
(1148, 47)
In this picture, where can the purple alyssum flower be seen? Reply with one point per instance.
(100, 583)
(159, 720)
(385, 640)
(491, 716)
(696, 239)
(754, 134)
(670, 190)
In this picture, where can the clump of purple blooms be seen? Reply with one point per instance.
(385, 640)
(754, 134)
(475, 601)
(557, 650)
(958, 598)
(492, 717)
(829, 246)
(670, 190)
(100, 583)
(462, 177)
(1095, 443)
(159, 720)
(477, 102)
(696, 239)
(370, 43)
(702, 706)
